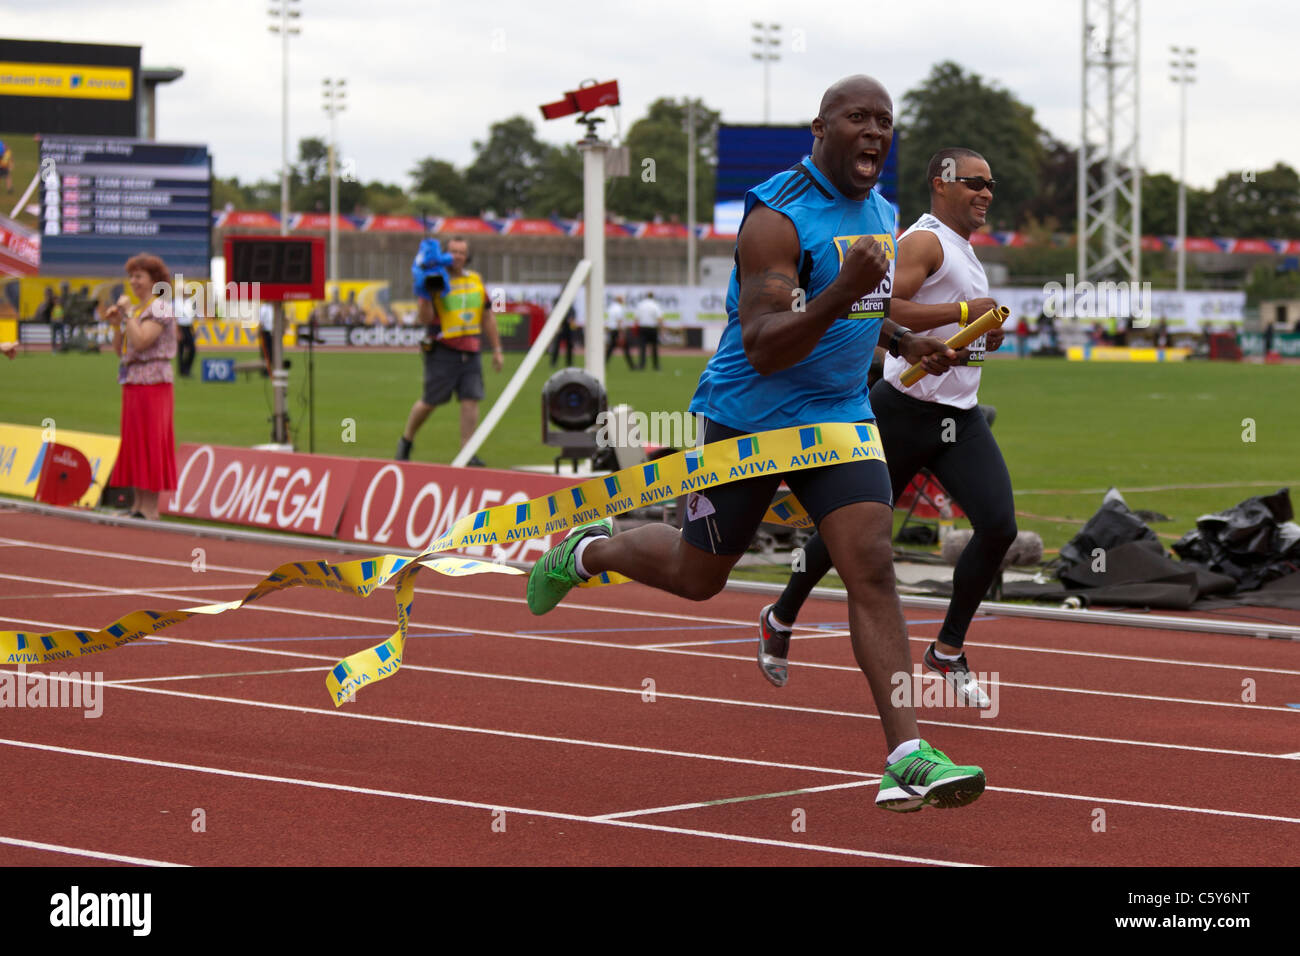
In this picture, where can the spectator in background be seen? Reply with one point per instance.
(45, 311)
(7, 166)
(1268, 339)
(266, 338)
(186, 313)
(563, 335)
(144, 337)
(616, 330)
(1162, 334)
(1022, 338)
(649, 320)
(354, 316)
(1046, 332)
(58, 327)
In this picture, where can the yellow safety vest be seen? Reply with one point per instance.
(460, 308)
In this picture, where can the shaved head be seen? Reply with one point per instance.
(853, 131)
(850, 86)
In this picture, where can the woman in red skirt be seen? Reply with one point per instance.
(144, 336)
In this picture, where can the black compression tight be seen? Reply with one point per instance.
(959, 449)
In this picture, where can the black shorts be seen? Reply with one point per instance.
(723, 519)
(447, 370)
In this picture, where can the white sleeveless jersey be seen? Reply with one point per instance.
(959, 278)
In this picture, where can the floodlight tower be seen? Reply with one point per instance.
(1183, 66)
(282, 11)
(1110, 238)
(335, 94)
(767, 40)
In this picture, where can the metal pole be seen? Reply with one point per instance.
(1135, 273)
(279, 380)
(690, 192)
(767, 90)
(1081, 204)
(593, 243)
(1109, 239)
(1182, 182)
(284, 117)
(334, 200)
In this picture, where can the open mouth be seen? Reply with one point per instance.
(867, 163)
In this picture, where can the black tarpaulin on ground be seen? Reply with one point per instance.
(1253, 542)
(1117, 560)
(1113, 524)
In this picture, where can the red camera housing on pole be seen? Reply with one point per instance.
(583, 100)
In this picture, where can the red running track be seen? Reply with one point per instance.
(627, 727)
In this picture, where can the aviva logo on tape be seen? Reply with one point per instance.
(783, 450)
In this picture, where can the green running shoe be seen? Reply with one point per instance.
(926, 777)
(556, 571)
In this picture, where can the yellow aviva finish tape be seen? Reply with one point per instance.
(781, 450)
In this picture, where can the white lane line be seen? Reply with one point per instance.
(714, 655)
(688, 697)
(816, 633)
(260, 573)
(471, 804)
(148, 680)
(457, 728)
(716, 803)
(1151, 806)
(1173, 662)
(91, 854)
(570, 741)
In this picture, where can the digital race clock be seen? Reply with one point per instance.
(284, 267)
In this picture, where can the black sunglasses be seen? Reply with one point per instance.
(977, 183)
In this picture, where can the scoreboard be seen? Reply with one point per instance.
(104, 200)
(749, 155)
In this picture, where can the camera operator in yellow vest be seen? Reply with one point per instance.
(456, 313)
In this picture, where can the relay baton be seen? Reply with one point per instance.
(991, 319)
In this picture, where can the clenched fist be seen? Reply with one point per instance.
(865, 264)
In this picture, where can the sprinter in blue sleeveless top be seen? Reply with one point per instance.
(808, 303)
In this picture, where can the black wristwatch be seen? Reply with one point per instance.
(897, 337)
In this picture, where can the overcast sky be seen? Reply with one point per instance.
(427, 77)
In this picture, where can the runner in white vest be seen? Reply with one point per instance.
(934, 424)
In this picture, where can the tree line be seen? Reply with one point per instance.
(515, 173)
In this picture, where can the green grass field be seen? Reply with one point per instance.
(1068, 430)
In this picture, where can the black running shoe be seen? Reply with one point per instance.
(403, 449)
(959, 676)
(773, 650)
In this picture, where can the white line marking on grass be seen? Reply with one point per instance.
(474, 805)
(1102, 491)
(715, 803)
(91, 854)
